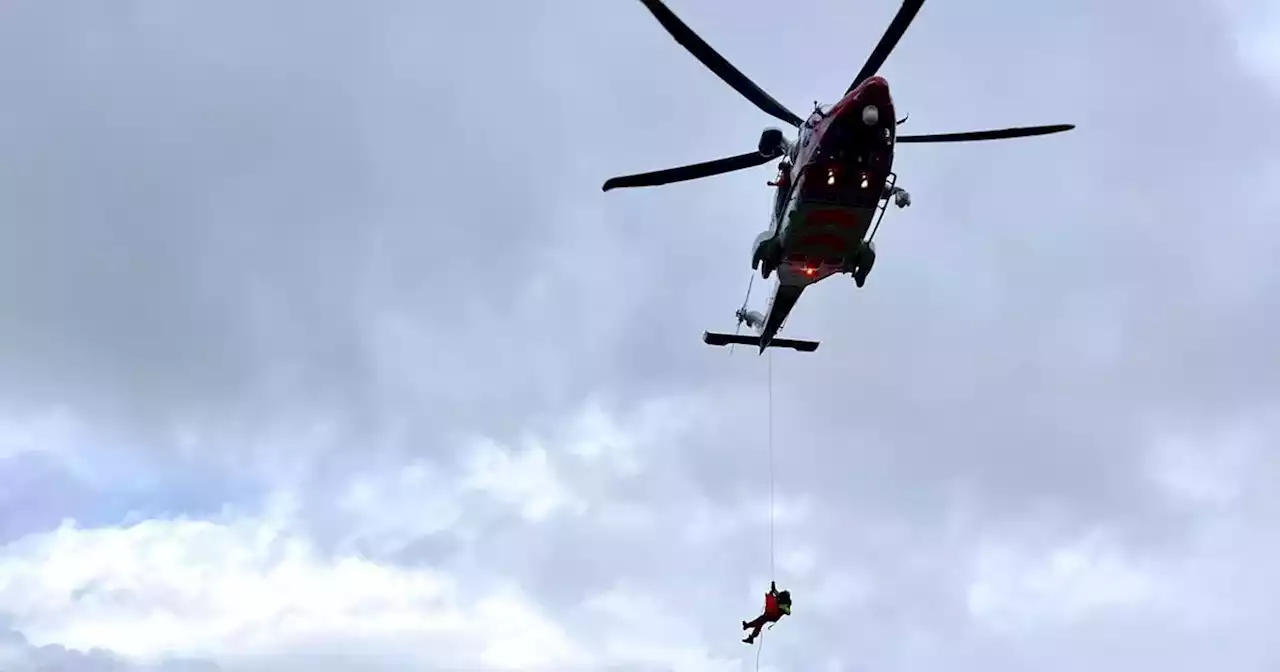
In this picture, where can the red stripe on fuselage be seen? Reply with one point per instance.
(830, 217)
(830, 233)
(827, 240)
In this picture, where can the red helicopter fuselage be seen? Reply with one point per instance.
(839, 171)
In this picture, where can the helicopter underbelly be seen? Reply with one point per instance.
(821, 239)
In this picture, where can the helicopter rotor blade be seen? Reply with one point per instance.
(998, 134)
(690, 172)
(717, 63)
(906, 14)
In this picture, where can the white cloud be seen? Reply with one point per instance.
(1202, 472)
(568, 469)
(237, 287)
(1016, 588)
(1258, 35)
(245, 587)
(1209, 586)
(251, 585)
(525, 479)
(389, 509)
(51, 431)
(650, 631)
(1226, 475)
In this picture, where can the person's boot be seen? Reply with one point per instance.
(745, 626)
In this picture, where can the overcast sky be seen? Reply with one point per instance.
(321, 349)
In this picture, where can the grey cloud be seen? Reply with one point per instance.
(1026, 332)
(389, 218)
(202, 210)
(208, 217)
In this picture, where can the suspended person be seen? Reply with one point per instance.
(776, 605)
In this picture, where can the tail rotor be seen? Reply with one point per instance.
(741, 314)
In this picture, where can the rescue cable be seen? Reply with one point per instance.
(771, 478)
(772, 578)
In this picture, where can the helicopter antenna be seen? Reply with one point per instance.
(742, 312)
(904, 119)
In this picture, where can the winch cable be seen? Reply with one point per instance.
(772, 481)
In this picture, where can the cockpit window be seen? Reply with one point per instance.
(817, 116)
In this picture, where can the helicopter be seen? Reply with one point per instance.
(834, 182)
